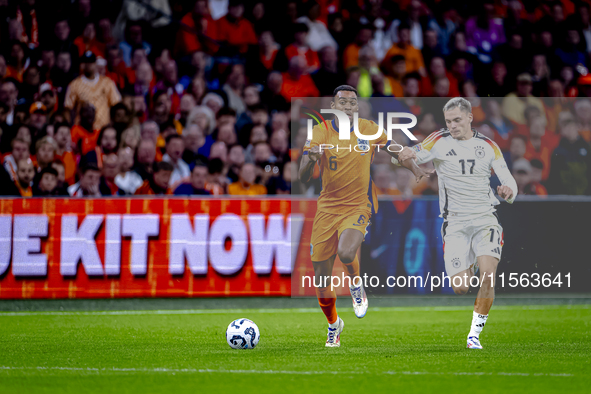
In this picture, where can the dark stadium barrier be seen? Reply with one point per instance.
(546, 241)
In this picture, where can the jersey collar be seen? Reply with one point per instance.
(333, 123)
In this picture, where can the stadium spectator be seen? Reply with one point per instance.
(194, 142)
(106, 144)
(517, 149)
(216, 181)
(25, 174)
(318, 35)
(45, 148)
(175, 146)
(20, 151)
(413, 56)
(245, 184)
(9, 96)
(197, 184)
(127, 180)
(92, 88)
(236, 160)
(515, 103)
(145, 158)
(541, 144)
(157, 183)
(110, 170)
(535, 186)
(234, 30)
(329, 75)
(570, 168)
(522, 172)
(88, 185)
(133, 39)
(47, 184)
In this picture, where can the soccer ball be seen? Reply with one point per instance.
(242, 334)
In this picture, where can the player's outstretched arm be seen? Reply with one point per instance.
(508, 188)
(407, 158)
(307, 164)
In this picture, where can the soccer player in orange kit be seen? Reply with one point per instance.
(346, 202)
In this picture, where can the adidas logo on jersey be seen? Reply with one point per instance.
(496, 250)
(451, 153)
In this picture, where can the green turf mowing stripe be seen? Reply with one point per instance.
(273, 372)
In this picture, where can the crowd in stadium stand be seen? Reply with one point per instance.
(152, 97)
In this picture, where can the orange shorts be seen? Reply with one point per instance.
(328, 227)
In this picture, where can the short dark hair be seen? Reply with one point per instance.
(412, 75)
(89, 167)
(397, 58)
(162, 166)
(173, 137)
(225, 111)
(343, 88)
(48, 170)
(59, 125)
(215, 165)
(99, 140)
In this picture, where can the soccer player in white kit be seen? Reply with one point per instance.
(472, 234)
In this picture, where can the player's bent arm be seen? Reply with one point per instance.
(505, 177)
(306, 169)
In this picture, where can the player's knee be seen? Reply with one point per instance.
(346, 254)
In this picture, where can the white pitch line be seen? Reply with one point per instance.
(282, 310)
(274, 372)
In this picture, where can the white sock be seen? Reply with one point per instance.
(478, 322)
(335, 324)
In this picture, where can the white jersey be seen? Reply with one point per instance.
(464, 170)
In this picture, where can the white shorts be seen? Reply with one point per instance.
(465, 240)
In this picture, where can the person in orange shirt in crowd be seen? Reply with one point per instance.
(157, 184)
(88, 42)
(541, 144)
(396, 73)
(295, 83)
(437, 70)
(106, 143)
(64, 152)
(351, 54)
(117, 70)
(84, 136)
(245, 185)
(300, 48)
(234, 30)
(17, 61)
(198, 31)
(413, 56)
(25, 174)
(92, 88)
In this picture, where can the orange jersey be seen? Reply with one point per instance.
(345, 175)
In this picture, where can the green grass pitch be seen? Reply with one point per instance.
(541, 349)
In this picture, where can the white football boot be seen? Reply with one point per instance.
(359, 301)
(333, 338)
(473, 343)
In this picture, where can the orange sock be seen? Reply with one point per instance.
(327, 299)
(352, 269)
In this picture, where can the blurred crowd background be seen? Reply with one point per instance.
(146, 97)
